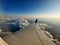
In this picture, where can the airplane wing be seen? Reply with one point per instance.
(31, 35)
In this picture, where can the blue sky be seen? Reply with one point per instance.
(30, 6)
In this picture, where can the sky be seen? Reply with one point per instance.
(18, 7)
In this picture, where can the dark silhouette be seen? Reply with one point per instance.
(36, 21)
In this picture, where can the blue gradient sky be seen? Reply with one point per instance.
(30, 6)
